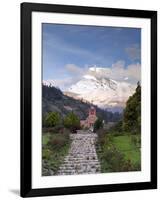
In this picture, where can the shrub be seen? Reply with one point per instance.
(46, 153)
(59, 128)
(113, 159)
(66, 131)
(52, 119)
(137, 167)
(98, 124)
(117, 127)
(136, 140)
(101, 136)
(48, 130)
(127, 166)
(116, 133)
(59, 141)
(72, 122)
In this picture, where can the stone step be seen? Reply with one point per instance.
(81, 161)
(82, 157)
(80, 164)
(68, 172)
(81, 168)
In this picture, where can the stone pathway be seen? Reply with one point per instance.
(82, 157)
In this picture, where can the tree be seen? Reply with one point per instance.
(72, 122)
(52, 119)
(132, 112)
(98, 124)
(117, 127)
(43, 120)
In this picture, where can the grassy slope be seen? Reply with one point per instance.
(124, 144)
(53, 157)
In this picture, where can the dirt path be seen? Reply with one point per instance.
(82, 157)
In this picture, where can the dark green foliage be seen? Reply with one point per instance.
(136, 140)
(131, 121)
(98, 124)
(51, 93)
(101, 137)
(113, 160)
(116, 129)
(72, 122)
(128, 166)
(43, 120)
(132, 112)
(114, 116)
(52, 119)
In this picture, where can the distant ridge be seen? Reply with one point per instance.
(54, 100)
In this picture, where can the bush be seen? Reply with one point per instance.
(72, 122)
(58, 141)
(46, 153)
(98, 124)
(48, 130)
(116, 133)
(113, 160)
(136, 140)
(59, 128)
(52, 119)
(101, 136)
(137, 167)
(66, 131)
(117, 127)
(127, 166)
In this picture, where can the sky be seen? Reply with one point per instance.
(70, 50)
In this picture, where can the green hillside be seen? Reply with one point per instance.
(53, 100)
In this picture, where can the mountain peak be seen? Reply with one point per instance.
(49, 83)
(89, 77)
(102, 91)
(96, 87)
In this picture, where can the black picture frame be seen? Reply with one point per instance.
(26, 104)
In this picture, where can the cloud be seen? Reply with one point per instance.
(74, 69)
(73, 74)
(119, 72)
(134, 52)
(64, 83)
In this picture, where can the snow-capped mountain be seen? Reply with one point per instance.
(49, 83)
(97, 88)
(100, 90)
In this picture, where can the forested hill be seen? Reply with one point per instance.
(53, 100)
(132, 112)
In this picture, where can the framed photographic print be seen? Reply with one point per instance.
(88, 99)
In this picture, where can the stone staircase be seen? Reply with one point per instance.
(82, 157)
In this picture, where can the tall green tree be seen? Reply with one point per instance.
(132, 112)
(72, 122)
(98, 124)
(52, 119)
